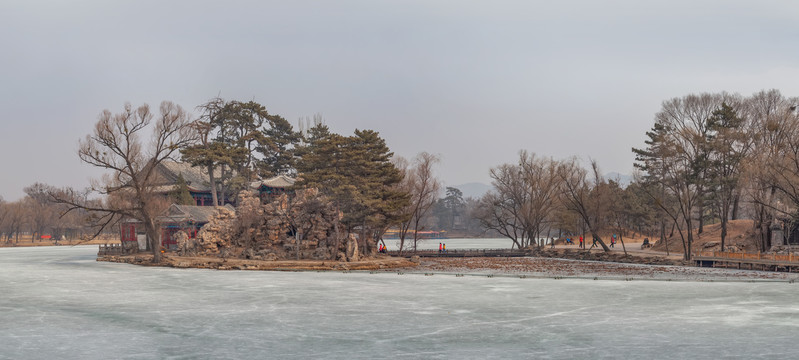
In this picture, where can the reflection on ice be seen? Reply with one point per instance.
(60, 303)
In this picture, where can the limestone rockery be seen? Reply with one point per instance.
(270, 231)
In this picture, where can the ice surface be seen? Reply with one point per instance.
(58, 303)
(452, 244)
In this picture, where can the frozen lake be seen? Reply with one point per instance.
(58, 303)
(453, 244)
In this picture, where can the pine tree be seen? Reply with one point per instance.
(375, 176)
(323, 166)
(453, 204)
(355, 173)
(181, 194)
(277, 148)
(239, 126)
(728, 145)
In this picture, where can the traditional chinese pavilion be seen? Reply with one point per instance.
(188, 218)
(271, 188)
(196, 178)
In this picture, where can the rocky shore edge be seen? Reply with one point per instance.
(374, 263)
(551, 263)
(182, 262)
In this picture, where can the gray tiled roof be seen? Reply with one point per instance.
(196, 177)
(197, 214)
(280, 181)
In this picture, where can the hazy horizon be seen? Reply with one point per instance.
(474, 82)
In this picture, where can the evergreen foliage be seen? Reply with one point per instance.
(243, 141)
(355, 172)
(450, 207)
(728, 146)
(277, 148)
(181, 194)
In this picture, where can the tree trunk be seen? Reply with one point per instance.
(701, 220)
(212, 183)
(222, 195)
(735, 202)
(663, 236)
(298, 238)
(759, 225)
(723, 226)
(723, 233)
(338, 241)
(690, 239)
(767, 242)
(335, 232)
(154, 238)
(362, 240)
(594, 234)
(602, 243)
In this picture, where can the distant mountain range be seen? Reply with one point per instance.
(476, 189)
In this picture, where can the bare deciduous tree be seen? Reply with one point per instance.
(728, 145)
(404, 186)
(500, 209)
(771, 171)
(41, 212)
(524, 199)
(678, 158)
(118, 144)
(542, 185)
(14, 220)
(422, 185)
(579, 196)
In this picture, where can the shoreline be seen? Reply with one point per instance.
(557, 268)
(42, 243)
(186, 262)
(517, 267)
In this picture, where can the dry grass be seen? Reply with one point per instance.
(739, 234)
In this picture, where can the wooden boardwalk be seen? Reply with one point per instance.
(744, 260)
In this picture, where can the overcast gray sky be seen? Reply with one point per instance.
(472, 81)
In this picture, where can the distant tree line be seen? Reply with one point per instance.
(708, 158)
(711, 157)
(37, 215)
